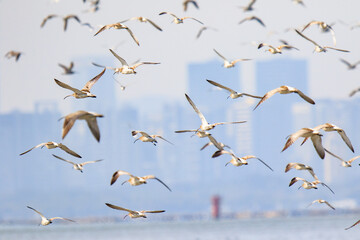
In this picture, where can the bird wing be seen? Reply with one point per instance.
(222, 123)
(39, 145)
(295, 179)
(68, 150)
(153, 177)
(94, 128)
(220, 86)
(182, 131)
(327, 187)
(84, 163)
(249, 95)
(154, 25)
(64, 85)
(263, 162)
(316, 140)
(309, 24)
(153, 211)
(61, 219)
(90, 83)
(353, 225)
(103, 28)
(333, 35)
(352, 93)
(133, 36)
(293, 137)
(303, 96)
(200, 31)
(213, 141)
(289, 166)
(346, 139)
(345, 62)
(332, 154)
(64, 159)
(327, 203)
(69, 121)
(306, 38)
(258, 20)
(162, 13)
(268, 95)
(119, 208)
(122, 61)
(102, 66)
(206, 145)
(240, 60)
(117, 174)
(354, 158)
(37, 212)
(46, 19)
(154, 136)
(220, 55)
(63, 66)
(337, 49)
(203, 119)
(141, 63)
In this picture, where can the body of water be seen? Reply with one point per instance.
(287, 228)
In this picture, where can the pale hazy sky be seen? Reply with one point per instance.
(31, 79)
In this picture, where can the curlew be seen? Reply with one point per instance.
(250, 18)
(67, 69)
(118, 26)
(205, 126)
(85, 91)
(46, 221)
(227, 63)
(319, 48)
(276, 50)
(187, 2)
(147, 138)
(51, 145)
(324, 27)
(285, 90)
(14, 54)
(308, 185)
(233, 94)
(134, 214)
(125, 68)
(134, 180)
(89, 117)
(321, 201)
(77, 166)
(178, 20)
(313, 134)
(350, 66)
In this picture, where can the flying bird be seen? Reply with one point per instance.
(350, 65)
(67, 69)
(144, 20)
(125, 68)
(47, 18)
(134, 180)
(187, 2)
(300, 166)
(178, 20)
(250, 18)
(220, 146)
(324, 28)
(85, 91)
(276, 50)
(353, 225)
(249, 7)
(343, 162)
(118, 26)
(314, 135)
(227, 63)
(285, 90)
(233, 94)
(77, 166)
(46, 221)
(89, 117)
(321, 201)
(68, 17)
(308, 185)
(14, 54)
(205, 126)
(202, 29)
(133, 214)
(147, 138)
(319, 48)
(51, 145)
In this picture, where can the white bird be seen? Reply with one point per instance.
(144, 20)
(205, 126)
(134, 180)
(300, 166)
(133, 214)
(46, 221)
(233, 94)
(308, 185)
(329, 127)
(250, 18)
(119, 26)
(125, 68)
(285, 90)
(324, 28)
(77, 166)
(147, 138)
(343, 162)
(350, 65)
(321, 201)
(319, 48)
(230, 64)
(51, 145)
(85, 91)
(314, 135)
(276, 50)
(178, 20)
(89, 117)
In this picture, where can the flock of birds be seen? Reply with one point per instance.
(203, 131)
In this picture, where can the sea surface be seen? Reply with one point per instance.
(284, 228)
